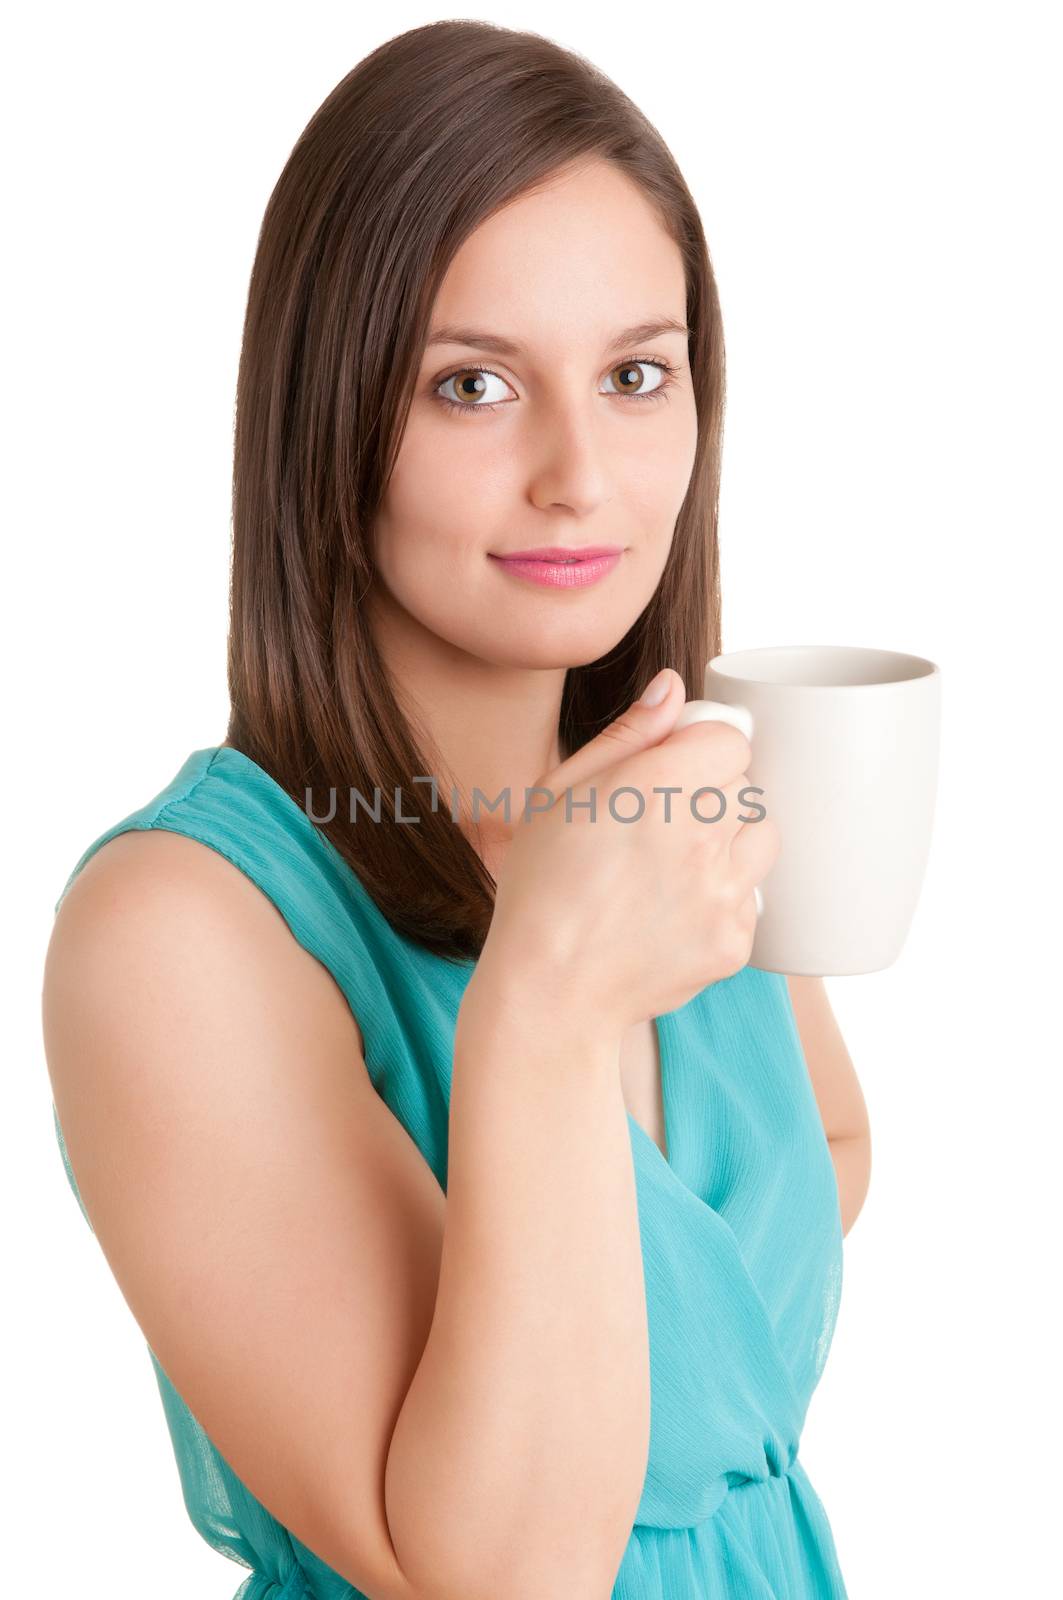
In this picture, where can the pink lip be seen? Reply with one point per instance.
(562, 572)
(561, 552)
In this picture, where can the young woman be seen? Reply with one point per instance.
(477, 1199)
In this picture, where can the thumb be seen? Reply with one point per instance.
(644, 723)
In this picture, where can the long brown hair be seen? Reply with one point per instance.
(425, 139)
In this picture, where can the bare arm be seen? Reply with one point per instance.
(527, 1423)
(290, 1281)
(838, 1094)
(852, 1171)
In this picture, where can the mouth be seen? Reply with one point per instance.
(560, 555)
(560, 568)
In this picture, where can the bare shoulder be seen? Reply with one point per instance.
(168, 886)
(271, 1225)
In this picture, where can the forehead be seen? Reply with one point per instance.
(571, 262)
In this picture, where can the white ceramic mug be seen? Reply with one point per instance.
(845, 746)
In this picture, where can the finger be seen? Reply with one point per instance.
(635, 729)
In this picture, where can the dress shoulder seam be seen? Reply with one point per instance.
(178, 799)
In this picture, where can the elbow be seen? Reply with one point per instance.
(851, 1156)
(532, 1567)
(525, 1576)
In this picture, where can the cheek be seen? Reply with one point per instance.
(434, 514)
(656, 482)
(677, 449)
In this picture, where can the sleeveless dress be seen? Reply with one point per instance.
(740, 1228)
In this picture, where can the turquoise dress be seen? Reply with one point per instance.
(740, 1228)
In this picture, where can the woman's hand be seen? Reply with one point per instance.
(633, 918)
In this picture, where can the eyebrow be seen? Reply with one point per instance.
(506, 347)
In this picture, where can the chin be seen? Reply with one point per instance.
(551, 649)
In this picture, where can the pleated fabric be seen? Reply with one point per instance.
(740, 1227)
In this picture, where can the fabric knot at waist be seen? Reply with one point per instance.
(262, 1586)
(778, 1463)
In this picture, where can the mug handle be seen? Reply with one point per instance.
(739, 717)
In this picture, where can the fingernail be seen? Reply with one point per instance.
(655, 690)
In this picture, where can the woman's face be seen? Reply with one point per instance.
(575, 437)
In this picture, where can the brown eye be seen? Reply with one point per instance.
(629, 377)
(470, 385)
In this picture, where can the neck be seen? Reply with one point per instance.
(481, 725)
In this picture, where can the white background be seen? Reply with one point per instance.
(880, 191)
